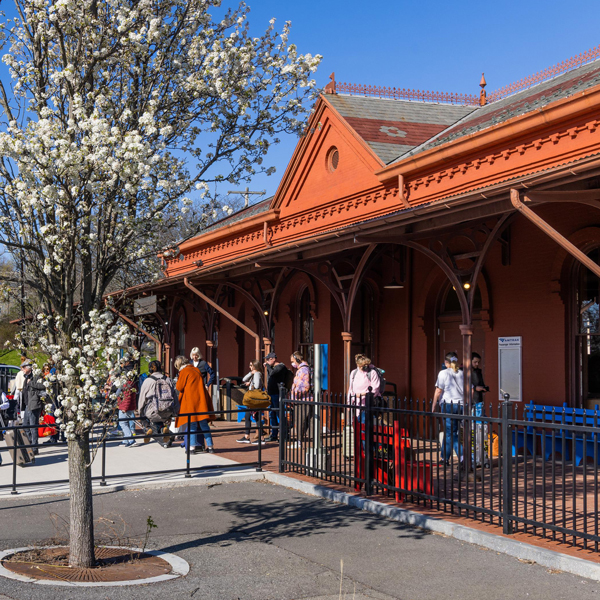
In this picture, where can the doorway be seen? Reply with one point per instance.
(449, 320)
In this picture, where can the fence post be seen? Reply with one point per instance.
(282, 433)
(103, 478)
(368, 442)
(15, 451)
(259, 422)
(187, 448)
(507, 479)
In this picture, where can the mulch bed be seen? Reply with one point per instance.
(113, 564)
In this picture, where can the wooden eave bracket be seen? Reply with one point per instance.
(133, 324)
(212, 303)
(551, 232)
(589, 197)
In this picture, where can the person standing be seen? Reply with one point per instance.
(301, 391)
(149, 392)
(362, 378)
(4, 406)
(18, 387)
(193, 398)
(477, 408)
(449, 394)
(253, 381)
(127, 403)
(208, 375)
(34, 392)
(276, 375)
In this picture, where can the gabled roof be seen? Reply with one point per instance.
(520, 103)
(394, 127)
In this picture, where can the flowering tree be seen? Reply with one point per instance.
(118, 116)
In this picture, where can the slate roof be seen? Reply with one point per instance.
(253, 209)
(394, 127)
(520, 103)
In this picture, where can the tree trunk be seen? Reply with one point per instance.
(81, 543)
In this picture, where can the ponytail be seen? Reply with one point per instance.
(452, 358)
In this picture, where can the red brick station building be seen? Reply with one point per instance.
(408, 224)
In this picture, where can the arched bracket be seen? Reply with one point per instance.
(551, 232)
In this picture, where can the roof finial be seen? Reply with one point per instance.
(330, 87)
(482, 95)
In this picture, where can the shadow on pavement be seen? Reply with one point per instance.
(260, 522)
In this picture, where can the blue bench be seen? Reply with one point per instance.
(539, 414)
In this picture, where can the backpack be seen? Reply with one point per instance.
(161, 405)
(289, 379)
(382, 380)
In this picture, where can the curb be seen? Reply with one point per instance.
(179, 568)
(542, 556)
(197, 478)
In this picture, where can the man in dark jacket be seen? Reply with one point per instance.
(277, 373)
(34, 393)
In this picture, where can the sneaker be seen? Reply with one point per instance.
(115, 433)
(198, 450)
(255, 442)
(210, 450)
(243, 440)
(271, 439)
(167, 439)
(147, 436)
(294, 445)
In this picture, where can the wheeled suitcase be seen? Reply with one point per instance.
(25, 456)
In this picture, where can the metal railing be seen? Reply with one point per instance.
(100, 437)
(524, 468)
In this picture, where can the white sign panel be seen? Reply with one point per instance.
(509, 367)
(145, 306)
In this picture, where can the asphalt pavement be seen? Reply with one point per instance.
(260, 541)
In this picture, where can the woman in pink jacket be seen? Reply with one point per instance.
(365, 376)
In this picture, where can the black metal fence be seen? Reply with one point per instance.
(18, 440)
(526, 468)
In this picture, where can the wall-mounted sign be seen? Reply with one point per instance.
(145, 306)
(509, 367)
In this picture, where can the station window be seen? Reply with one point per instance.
(333, 159)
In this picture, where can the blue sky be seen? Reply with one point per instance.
(428, 44)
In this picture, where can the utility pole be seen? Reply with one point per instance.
(22, 294)
(246, 193)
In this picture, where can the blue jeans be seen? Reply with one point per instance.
(32, 417)
(127, 427)
(451, 430)
(274, 416)
(195, 426)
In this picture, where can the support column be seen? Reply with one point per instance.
(347, 338)
(209, 353)
(467, 335)
(167, 360)
(267, 343)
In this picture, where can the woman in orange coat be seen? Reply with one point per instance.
(193, 398)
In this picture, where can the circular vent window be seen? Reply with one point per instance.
(333, 159)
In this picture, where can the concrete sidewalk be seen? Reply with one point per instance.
(260, 541)
(51, 465)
